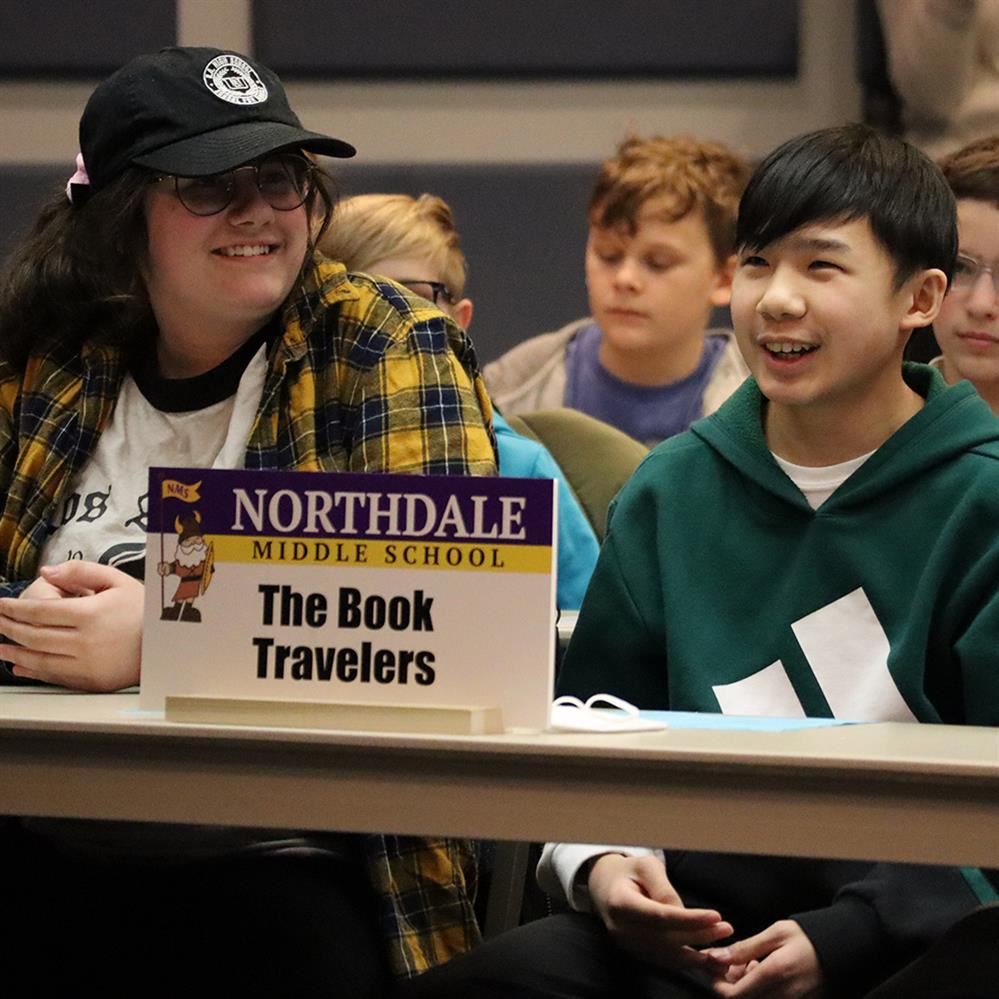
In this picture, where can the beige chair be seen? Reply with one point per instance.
(596, 458)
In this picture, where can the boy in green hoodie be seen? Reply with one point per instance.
(813, 548)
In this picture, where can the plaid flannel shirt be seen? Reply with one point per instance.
(366, 377)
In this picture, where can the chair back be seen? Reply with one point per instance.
(596, 458)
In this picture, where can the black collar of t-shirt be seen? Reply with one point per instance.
(186, 395)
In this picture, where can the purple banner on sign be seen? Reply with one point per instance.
(344, 505)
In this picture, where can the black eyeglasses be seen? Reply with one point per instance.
(438, 290)
(284, 182)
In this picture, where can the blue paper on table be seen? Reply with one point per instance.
(608, 713)
(738, 723)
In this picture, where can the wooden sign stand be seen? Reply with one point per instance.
(421, 719)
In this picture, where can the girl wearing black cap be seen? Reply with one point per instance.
(170, 308)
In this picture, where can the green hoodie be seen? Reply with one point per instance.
(720, 589)
(882, 604)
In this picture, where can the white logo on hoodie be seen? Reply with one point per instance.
(847, 650)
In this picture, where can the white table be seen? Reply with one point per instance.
(885, 791)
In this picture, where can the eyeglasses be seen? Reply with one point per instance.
(437, 289)
(967, 271)
(284, 182)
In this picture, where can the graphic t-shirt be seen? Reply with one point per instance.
(203, 421)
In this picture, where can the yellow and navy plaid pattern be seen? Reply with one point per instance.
(425, 889)
(366, 377)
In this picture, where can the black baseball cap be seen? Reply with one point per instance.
(191, 112)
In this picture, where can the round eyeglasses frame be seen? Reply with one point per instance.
(214, 193)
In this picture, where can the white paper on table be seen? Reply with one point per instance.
(570, 714)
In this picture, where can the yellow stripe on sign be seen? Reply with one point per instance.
(442, 555)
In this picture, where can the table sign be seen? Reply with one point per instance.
(388, 592)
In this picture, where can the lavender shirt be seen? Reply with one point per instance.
(649, 413)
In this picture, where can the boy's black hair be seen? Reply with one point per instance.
(848, 173)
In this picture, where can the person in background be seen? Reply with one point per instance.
(170, 307)
(763, 564)
(943, 62)
(658, 261)
(967, 327)
(414, 241)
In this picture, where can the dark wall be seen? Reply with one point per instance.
(67, 38)
(528, 37)
(23, 189)
(392, 38)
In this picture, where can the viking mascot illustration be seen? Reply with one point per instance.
(194, 563)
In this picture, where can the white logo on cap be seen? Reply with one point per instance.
(234, 80)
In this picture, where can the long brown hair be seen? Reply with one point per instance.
(78, 273)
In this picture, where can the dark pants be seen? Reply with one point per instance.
(288, 926)
(962, 964)
(569, 955)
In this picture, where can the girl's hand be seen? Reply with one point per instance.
(78, 625)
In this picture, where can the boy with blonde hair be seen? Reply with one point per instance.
(658, 261)
(388, 229)
(414, 242)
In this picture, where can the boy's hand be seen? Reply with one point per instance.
(645, 916)
(780, 962)
(78, 625)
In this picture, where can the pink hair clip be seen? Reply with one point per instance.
(78, 181)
